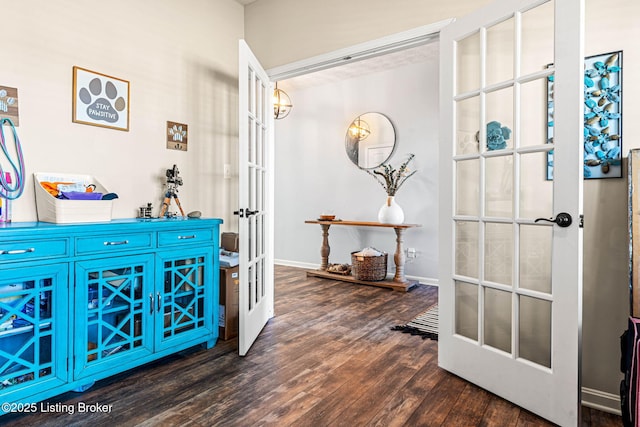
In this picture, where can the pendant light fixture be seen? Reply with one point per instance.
(281, 103)
(359, 129)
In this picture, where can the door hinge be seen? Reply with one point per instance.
(581, 223)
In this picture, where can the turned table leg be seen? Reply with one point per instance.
(325, 249)
(399, 257)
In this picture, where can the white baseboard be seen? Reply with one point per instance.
(424, 280)
(298, 264)
(600, 400)
(311, 266)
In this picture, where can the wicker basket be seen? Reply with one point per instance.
(369, 268)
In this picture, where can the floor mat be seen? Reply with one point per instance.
(425, 324)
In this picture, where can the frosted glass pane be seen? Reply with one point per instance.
(466, 306)
(535, 257)
(251, 139)
(534, 113)
(259, 94)
(499, 114)
(260, 141)
(497, 319)
(536, 192)
(500, 48)
(467, 190)
(467, 125)
(498, 253)
(466, 242)
(499, 186)
(535, 330)
(468, 64)
(537, 38)
(250, 104)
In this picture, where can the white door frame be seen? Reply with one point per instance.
(377, 47)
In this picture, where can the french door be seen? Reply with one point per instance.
(510, 278)
(256, 157)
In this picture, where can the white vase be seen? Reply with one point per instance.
(391, 212)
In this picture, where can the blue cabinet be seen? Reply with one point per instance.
(113, 313)
(33, 329)
(81, 302)
(183, 299)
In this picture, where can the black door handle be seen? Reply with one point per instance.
(563, 219)
(245, 213)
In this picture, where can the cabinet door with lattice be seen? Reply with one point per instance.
(33, 330)
(114, 313)
(185, 296)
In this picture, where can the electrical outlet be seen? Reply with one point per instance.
(227, 171)
(411, 252)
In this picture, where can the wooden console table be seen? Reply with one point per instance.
(399, 281)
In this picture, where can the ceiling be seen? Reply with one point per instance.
(381, 63)
(376, 64)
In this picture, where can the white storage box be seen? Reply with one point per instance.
(51, 209)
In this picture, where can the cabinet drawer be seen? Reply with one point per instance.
(24, 250)
(113, 242)
(181, 237)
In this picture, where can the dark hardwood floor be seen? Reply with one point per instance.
(328, 358)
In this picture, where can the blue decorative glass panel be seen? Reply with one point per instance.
(184, 295)
(26, 331)
(115, 310)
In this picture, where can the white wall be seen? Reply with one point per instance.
(181, 61)
(314, 174)
(611, 26)
(313, 28)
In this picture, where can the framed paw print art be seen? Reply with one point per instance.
(100, 100)
(177, 136)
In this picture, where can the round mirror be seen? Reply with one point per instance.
(370, 140)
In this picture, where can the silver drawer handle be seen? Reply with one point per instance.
(17, 251)
(122, 242)
(193, 236)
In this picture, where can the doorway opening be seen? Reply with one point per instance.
(399, 81)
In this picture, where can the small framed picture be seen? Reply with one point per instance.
(177, 136)
(100, 100)
(9, 104)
